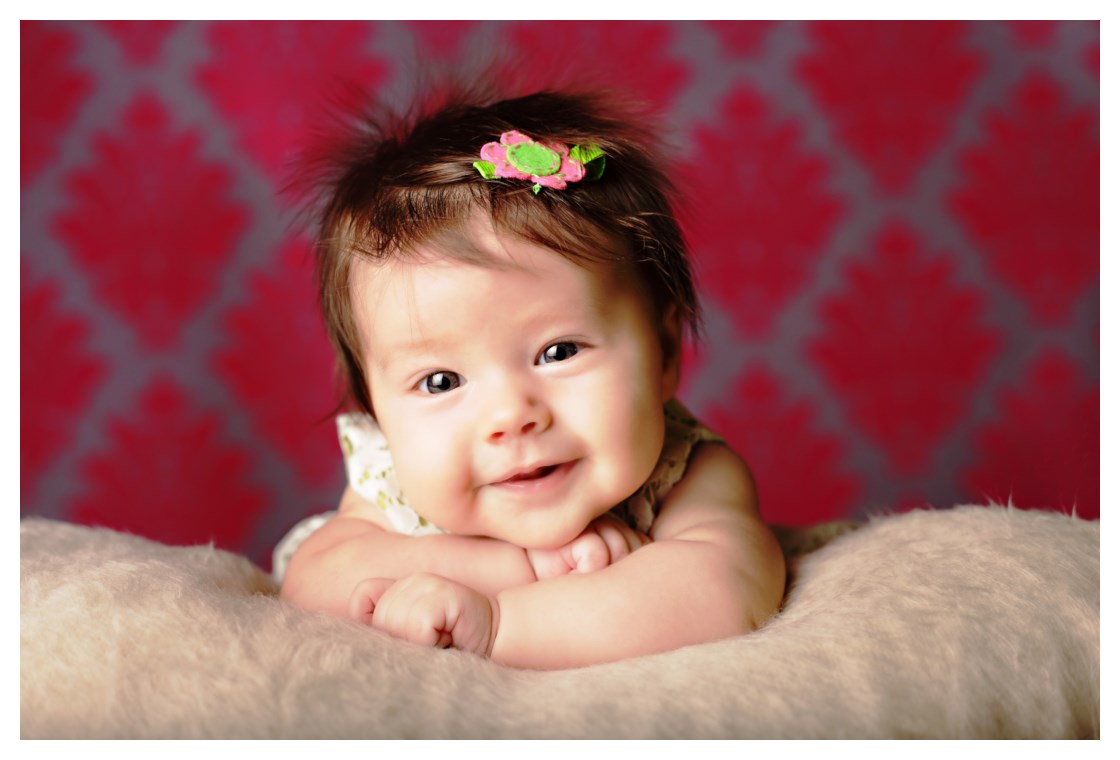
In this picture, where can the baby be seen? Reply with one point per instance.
(506, 288)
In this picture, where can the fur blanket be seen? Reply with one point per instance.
(972, 622)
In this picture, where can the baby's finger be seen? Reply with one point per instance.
(634, 539)
(426, 623)
(637, 539)
(365, 596)
(590, 552)
(547, 563)
(616, 540)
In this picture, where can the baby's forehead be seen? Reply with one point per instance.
(480, 263)
(425, 306)
(473, 268)
(495, 250)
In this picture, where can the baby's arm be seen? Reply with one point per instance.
(713, 570)
(328, 570)
(353, 546)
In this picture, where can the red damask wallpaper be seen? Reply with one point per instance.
(895, 227)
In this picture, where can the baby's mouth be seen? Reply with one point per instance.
(538, 473)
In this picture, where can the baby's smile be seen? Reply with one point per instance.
(539, 472)
(535, 478)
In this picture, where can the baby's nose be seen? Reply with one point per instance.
(516, 415)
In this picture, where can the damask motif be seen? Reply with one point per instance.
(58, 374)
(890, 89)
(276, 343)
(271, 80)
(442, 39)
(51, 89)
(742, 39)
(142, 41)
(169, 474)
(761, 208)
(1032, 197)
(151, 221)
(798, 470)
(1043, 448)
(634, 57)
(1093, 60)
(903, 346)
(1035, 33)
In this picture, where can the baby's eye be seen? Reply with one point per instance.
(440, 382)
(558, 352)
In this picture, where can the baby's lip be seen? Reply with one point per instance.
(528, 474)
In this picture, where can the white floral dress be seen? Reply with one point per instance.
(369, 470)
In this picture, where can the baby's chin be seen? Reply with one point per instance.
(544, 537)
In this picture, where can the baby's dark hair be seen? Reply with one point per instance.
(398, 181)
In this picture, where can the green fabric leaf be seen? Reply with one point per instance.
(585, 154)
(595, 167)
(486, 169)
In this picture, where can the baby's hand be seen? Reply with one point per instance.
(605, 541)
(427, 609)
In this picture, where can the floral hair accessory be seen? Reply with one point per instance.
(544, 164)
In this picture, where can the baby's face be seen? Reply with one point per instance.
(520, 401)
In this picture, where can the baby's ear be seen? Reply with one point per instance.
(670, 334)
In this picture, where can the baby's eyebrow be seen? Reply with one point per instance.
(405, 351)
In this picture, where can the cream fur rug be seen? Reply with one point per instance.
(972, 622)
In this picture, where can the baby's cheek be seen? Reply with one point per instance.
(423, 477)
(632, 462)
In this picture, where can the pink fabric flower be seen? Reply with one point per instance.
(545, 164)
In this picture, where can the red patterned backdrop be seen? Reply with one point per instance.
(896, 228)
